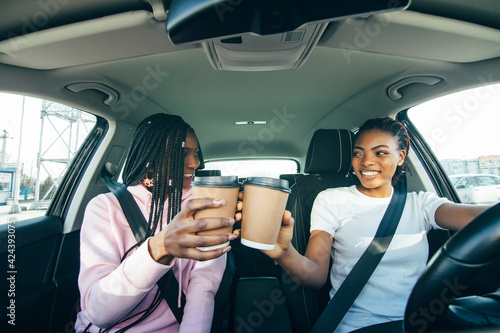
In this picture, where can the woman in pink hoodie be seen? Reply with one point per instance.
(118, 275)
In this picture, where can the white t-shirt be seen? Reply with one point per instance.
(352, 218)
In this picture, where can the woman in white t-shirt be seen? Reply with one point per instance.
(347, 220)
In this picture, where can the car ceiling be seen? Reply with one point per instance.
(337, 87)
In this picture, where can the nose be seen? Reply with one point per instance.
(192, 161)
(366, 160)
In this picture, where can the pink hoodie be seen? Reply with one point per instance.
(111, 290)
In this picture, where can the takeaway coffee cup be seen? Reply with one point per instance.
(219, 187)
(264, 201)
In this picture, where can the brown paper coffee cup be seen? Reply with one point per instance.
(264, 202)
(220, 187)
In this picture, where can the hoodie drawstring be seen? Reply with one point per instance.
(180, 285)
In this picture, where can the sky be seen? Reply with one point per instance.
(462, 125)
(457, 126)
(11, 112)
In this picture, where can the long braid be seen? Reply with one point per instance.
(157, 147)
(177, 176)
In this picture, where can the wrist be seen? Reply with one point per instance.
(159, 253)
(283, 254)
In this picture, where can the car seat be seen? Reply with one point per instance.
(328, 162)
(209, 173)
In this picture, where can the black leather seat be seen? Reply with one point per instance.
(328, 162)
(290, 178)
(205, 173)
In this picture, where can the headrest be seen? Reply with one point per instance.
(330, 151)
(203, 173)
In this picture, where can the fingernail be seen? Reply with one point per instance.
(226, 249)
(219, 202)
(231, 220)
(232, 236)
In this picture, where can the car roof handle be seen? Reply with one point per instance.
(113, 95)
(394, 89)
(159, 10)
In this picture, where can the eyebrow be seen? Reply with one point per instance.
(377, 147)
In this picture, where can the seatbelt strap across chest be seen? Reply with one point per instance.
(138, 225)
(361, 272)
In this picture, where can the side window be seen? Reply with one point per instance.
(461, 129)
(38, 140)
(486, 181)
(466, 183)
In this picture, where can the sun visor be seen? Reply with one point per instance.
(262, 34)
(191, 21)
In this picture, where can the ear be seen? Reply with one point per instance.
(402, 157)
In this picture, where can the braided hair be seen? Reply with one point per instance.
(156, 150)
(397, 130)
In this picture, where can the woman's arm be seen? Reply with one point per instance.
(310, 270)
(455, 216)
(110, 289)
(204, 282)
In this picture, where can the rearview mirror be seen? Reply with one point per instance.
(198, 20)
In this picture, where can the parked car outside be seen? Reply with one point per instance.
(477, 188)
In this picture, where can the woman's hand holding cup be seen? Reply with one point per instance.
(264, 203)
(181, 238)
(284, 236)
(285, 230)
(224, 187)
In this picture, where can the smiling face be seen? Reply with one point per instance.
(376, 155)
(191, 159)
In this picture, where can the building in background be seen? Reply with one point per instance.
(483, 164)
(7, 175)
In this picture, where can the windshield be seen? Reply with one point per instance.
(253, 168)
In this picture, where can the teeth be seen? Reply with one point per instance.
(369, 173)
(188, 175)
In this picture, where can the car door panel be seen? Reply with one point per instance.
(29, 266)
(487, 191)
(67, 295)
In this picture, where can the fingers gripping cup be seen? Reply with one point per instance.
(220, 187)
(264, 201)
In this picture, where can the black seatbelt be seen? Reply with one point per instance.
(138, 224)
(361, 272)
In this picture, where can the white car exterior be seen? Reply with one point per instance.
(477, 188)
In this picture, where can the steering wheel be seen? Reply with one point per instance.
(451, 270)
